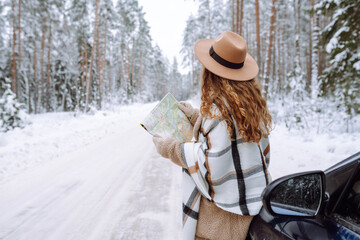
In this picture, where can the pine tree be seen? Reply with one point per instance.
(160, 74)
(12, 114)
(341, 40)
(191, 34)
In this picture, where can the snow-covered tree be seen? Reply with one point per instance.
(341, 79)
(191, 34)
(175, 81)
(57, 57)
(211, 19)
(12, 114)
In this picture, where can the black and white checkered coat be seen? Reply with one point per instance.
(232, 174)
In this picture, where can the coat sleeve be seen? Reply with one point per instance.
(212, 135)
(175, 154)
(169, 148)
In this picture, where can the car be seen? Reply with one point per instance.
(312, 205)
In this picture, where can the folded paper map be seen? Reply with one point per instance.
(167, 120)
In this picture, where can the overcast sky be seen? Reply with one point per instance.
(167, 20)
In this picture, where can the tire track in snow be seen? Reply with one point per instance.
(156, 199)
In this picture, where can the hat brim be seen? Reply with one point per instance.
(247, 72)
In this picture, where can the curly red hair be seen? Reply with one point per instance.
(238, 100)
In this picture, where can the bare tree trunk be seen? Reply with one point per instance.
(19, 32)
(104, 56)
(42, 82)
(298, 30)
(263, 50)
(48, 72)
(308, 82)
(84, 63)
(133, 64)
(279, 60)
(122, 81)
(248, 40)
(237, 16)
(128, 70)
(308, 70)
(241, 16)
(258, 49)
(99, 66)
(285, 47)
(141, 72)
(109, 74)
(35, 73)
(84, 67)
(98, 55)
(233, 15)
(88, 80)
(19, 45)
(273, 66)
(271, 37)
(13, 49)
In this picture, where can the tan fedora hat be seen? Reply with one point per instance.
(226, 56)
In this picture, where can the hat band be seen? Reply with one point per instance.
(224, 62)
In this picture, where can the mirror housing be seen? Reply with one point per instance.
(295, 195)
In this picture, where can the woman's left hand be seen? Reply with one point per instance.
(191, 113)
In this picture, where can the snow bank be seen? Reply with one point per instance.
(51, 135)
(295, 151)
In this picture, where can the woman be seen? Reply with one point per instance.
(225, 168)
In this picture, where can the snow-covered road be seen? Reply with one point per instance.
(114, 188)
(99, 176)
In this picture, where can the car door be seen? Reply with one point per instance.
(291, 209)
(346, 212)
(338, 218)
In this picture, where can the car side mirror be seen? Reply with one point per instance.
(299, 195)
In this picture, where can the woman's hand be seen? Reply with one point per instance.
(169, 148)
(191, 113)
(162, 144)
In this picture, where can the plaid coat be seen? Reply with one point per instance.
(232, 174)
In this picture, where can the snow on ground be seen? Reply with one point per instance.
(76, 176)
(90, 177)
(293, 152)
(52, 134)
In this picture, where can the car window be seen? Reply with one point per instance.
(298, 196)
(350, 206)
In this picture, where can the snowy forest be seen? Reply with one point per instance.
(308, 53)
(58, 56)
(78, 77)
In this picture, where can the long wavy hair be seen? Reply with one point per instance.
(241, 101)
